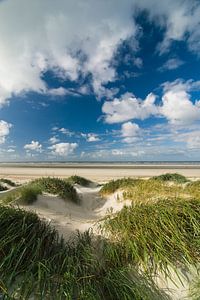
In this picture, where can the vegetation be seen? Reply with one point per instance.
(114, 185)
(79, 180)
(35, 262)
(8, 182)
(175, 177)
(3, 188)
(50, 185)
(58, 187)
(157, 235)
(29, 194)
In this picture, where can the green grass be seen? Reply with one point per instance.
(157, 235)
(79, 180)
(29, 194)
(114, 185)
(175, 177)
(8, 181)
(3, 188)
(54, 186)
(57, 186)
(35, 261)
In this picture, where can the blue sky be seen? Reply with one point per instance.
(99, 80)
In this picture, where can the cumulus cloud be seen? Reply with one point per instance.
(129, 107)
(4, 130)
(90, 137)
(63, 149)
(66, 37)
(177, 106)
(33, 146)
(80, 38)
(130, 132)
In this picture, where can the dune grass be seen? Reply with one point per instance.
(29, 194)
(174, 187)
(175, 177)
(114, 185)
(57, 186)
(157, 235)
(3, 188)
(36, 262)
(8, 181)
(79, 180)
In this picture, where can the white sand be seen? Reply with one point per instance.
(100, 173)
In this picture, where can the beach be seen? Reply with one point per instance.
(100, 172)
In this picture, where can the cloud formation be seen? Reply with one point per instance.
(63, 149)
(33, 146)
(129, 107)
(4, 131)
(79, 38)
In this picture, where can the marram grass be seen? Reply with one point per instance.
(79, 180)
(156, 235)
(28, 193)
(35, 262)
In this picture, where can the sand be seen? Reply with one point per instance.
(95, 172)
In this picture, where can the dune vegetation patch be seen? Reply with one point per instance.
(113, 185)
(8, 182)
(35, 262)
(175, 177)
(156, 235)
(153, 189)
(79, 180)
(27, 194)
(3, 188)
(56, 186)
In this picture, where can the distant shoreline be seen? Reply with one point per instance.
(100, 172)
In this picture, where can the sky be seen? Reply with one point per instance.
(99, 80)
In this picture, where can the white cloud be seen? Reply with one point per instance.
(138, 62)
(73, 38)
(129, 107)
(63, 149)
(67, 37)
(33, 146)
(65, 131)
(53, 140)
(177, 106)
(130, 132)
(4, 130)
(10, 150)
(172, 64)
(90, 137)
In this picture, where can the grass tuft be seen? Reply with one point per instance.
(79, 180)
(114, 185)
(8, 181)
(29, 194)
(175, 177)
(57, 186)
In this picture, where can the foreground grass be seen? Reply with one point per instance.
(35, 262)
(157, 235)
